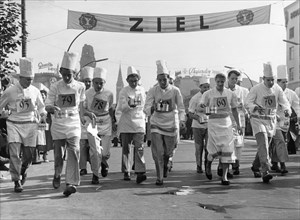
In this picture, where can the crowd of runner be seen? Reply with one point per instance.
(77, 118)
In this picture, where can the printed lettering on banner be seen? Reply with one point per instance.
(98, 105)
(66, 100)
(24, 105)
(269, 101)
(221, 103)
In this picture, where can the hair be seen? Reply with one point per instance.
(221, 76)
(71, 71)
(233, 72)
(167, 74)
(133, 75)
(43, 91)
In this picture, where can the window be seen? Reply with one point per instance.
(291, 53)
(291, 33)
(291, 74)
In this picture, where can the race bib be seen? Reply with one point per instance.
(269, 101)
(164, 106)
(24, 105)
(221, 103)
(66, 100)
(98, 105)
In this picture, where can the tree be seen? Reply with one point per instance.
(10, 37)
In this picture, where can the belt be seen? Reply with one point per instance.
(65, 113)
(213, 116)
(101, 115)
(21, 122)
(264, 117)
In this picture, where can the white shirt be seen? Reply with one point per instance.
(210, 98)
(165, 119)
(68, 98)
(24, 104)
(293, 100)
(193, 108)
(268, 98)
(297, 91)
(131, 120)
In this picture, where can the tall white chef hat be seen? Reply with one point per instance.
(70, 60)
(203, 80)
(162, 67)
(172, 75)
(281, 72)
(26, 67)
(100, 72)
(87, 72)
(268, 72)
(132, 71)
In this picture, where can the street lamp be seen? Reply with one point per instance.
(291, 42)
(94, 61)
(230, 67)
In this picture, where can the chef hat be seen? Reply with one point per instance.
(100, 72)
(162, 67)
(87, 72)
(268, 70)
(203, 80)
(132, 71)
(70, 60)
(172, 75)
(281, 72)
(26, 67)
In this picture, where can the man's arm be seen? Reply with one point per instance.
(149, 102)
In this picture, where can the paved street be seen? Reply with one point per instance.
(185, 194)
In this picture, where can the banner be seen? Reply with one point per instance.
(168, 24)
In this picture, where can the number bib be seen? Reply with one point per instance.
(24, 105)
(269, 102)
(164, 106)
(66, 100)
(98, 105)
(221, 103)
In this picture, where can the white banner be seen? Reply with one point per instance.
(168, 24)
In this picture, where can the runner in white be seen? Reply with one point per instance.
(166, 100)
(86, 75)
(279, 150)
(199, 124)
(27, 109)
(262, 102)
(65, 103)
(219, 103)
(99, 107)
(131, 125)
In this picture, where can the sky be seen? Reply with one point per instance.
(246, 48)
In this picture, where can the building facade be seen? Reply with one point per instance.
(292, 18)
